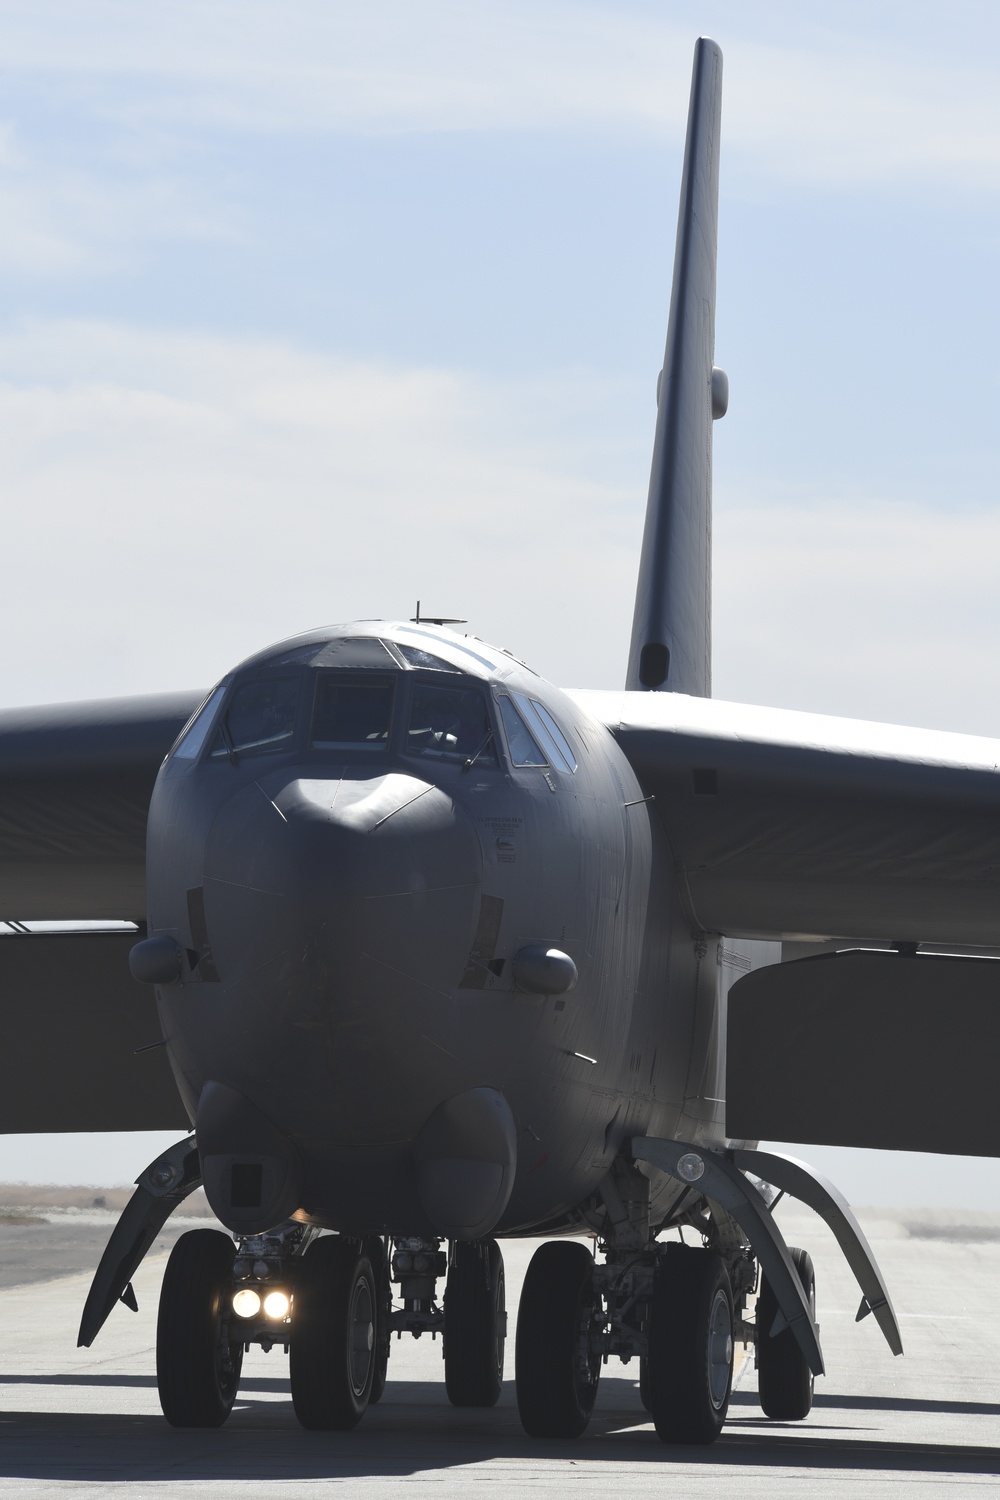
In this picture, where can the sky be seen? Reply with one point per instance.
(309, 311)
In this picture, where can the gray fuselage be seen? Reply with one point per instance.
(351, 869)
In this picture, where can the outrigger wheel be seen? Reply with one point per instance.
(197, 1364)
(556, 1368)
(333, 1353)
(690, 1370)
(784, 1379)
(475, 1324)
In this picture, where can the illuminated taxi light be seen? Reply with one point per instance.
(246, 1304)
(276, 1305)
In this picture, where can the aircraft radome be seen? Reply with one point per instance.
(440, 954)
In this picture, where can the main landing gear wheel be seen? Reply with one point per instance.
(475, 1324)
(644, 1382)
(333, 1350)
(556, 1372)
(690, 1345)
(784, 1379)
(197, 1367)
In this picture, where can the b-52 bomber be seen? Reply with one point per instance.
(431, 953)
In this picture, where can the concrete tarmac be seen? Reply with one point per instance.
(89, 1419)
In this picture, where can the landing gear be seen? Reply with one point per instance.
(334, 1355)
(784, 1379)
(197, 1363)
(376, 1253)
(690, 1345)
(475, 1324)
(557, 1365)
(644, 1382)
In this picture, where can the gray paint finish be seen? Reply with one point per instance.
(671, 643)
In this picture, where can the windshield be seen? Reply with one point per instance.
(547, 732)
(190, 744)
(260, 718)
(520, 741)
(352, 715)
(451, 723)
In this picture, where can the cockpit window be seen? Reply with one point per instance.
(547, 732)
(450, 723)
(191, 742)
(520, 741)
(260, 718)
(352, 714)
(418, 658)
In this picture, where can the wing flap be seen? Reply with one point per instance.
(885, 1050)
(71, 1019)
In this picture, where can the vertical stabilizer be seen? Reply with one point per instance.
(672, 629)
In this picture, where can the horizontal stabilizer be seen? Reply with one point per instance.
(886, 1050)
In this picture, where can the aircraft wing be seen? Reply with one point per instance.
(75, 783)
(78, 1035)
(803, 826)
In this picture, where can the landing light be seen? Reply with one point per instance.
(276, 1305)
(690, 1166)
(246, 1304)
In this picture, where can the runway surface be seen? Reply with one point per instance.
(924, 1425)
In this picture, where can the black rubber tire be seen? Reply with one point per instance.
(644, 1382)
(475, 1324)
(376, 1252)
(555, 1375)
(333, 1349)
(784, 1379)
(690, 1345)
(197, 1368)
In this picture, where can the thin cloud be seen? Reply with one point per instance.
(829, 106)
(866, 607)
(175, 502)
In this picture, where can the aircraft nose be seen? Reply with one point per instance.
(351, 879)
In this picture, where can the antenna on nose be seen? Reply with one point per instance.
(419, 619)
